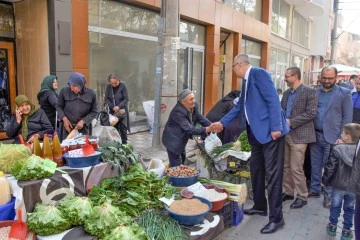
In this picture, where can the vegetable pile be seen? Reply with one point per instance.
(120, 155)
(133, 192)
(238, 192)
(122, 232)
(34, 168)
(241, 144)
(103, 219)
(11, 154)
(47, 220)
(76, 209)
(182, 171)
(161, 226)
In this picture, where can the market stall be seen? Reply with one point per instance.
(49, 190)
(118, 198)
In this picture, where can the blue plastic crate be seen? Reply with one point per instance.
(238, 213)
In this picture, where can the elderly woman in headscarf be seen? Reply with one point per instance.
(77, 106)
(28, 121)
(48, 98)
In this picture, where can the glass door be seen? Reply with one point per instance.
(191, 70)
(7, 85)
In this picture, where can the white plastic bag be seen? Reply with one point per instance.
(211, 142)
(149, 110)
(113, 120)
(106, 134)
(157, 166)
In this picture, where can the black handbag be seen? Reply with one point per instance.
(104, 118)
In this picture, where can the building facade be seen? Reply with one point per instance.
(99, 37)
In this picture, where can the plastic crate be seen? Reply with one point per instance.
(227, 213)
(238, 213)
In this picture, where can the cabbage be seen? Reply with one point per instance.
(76, 209)
(133, 232)
(47, 220)
(11, 154)
(103, 219)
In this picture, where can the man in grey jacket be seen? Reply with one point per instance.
(299, 103)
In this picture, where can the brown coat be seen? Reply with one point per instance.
(302, 114)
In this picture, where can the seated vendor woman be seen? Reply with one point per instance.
(28, 121)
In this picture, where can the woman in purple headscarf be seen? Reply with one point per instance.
(77, 106)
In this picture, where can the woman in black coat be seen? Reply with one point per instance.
(77, 106)
(116, 98)
(28, 121)
(48, 98)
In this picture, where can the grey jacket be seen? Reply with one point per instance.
(302, 114)
(354, 179)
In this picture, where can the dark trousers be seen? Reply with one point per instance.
(357, 219)
(176, 159)
(267, 163)
(121, 126)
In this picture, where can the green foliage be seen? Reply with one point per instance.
(133, 232)
(103, 219)
(245, 146)
(11, 154)
(47, 220)
(76, 209)
(33, 168)
(120, 155)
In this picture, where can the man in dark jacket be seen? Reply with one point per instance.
(336, 174)
(221, 108)
(181, 126)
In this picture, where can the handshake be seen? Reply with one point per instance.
(215, 127)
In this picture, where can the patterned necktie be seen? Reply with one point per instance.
(242, 105)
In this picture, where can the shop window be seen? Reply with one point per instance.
(123, 39)
(253, 50)
(280, 18)
(277, 68)
(253, 8)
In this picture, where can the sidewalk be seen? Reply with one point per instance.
(308, 223)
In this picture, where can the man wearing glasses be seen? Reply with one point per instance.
(333, 112)
(261, 114)
(300, 104)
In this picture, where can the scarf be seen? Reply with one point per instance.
(47, 85)
(24, 121)
(78, 80)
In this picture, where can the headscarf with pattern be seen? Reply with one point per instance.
(24, 121)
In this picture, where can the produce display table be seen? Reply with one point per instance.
(212, 226)
(50, 190)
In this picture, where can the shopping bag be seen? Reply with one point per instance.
(211, 142)
(113, 120)
(105, 134)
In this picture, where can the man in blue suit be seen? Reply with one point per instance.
(261, 114)
(333, 112)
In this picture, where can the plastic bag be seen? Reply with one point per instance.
(157, 166)
(113, 120)
(211, 142)
(105, 134)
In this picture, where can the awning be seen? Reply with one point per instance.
(342, 69)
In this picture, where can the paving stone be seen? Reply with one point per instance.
(307, 223)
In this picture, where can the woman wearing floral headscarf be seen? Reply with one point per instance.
(77, 106)
(28, 121)
(48, 97)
